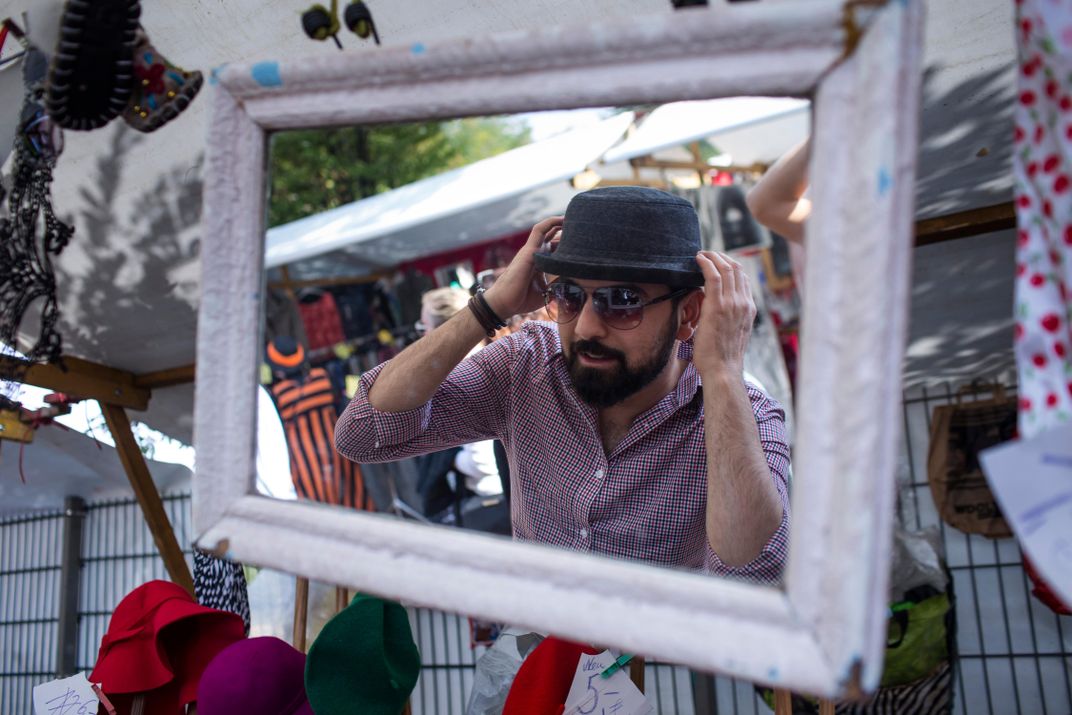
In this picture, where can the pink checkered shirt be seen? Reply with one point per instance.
(646, 500)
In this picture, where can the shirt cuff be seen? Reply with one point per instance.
(765, 569)
(365, 428)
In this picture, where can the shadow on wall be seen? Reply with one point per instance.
(960, 325)
(965, 155)
(138, 269)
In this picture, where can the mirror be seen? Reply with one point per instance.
(379, 234)
(822, 629)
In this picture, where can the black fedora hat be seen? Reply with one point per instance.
(627, 233)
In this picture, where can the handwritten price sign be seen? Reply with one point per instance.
(592, 694)
(69, 696)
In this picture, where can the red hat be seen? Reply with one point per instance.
(159, 641)
(543, 682)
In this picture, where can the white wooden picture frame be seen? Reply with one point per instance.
(823, 631)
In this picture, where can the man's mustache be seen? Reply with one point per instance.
(598, 349)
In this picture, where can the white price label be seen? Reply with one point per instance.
(592, 694)
(68, 696)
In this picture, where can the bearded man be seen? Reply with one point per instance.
(630, 429)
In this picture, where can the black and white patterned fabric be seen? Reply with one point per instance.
(932, 695)
(221, 585)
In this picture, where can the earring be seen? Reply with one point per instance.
(359, 21)
(319, 23)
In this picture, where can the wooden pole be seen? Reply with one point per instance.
(80, 378)
(636, 672)
(783, 702)
(301, 611)
(148, 496)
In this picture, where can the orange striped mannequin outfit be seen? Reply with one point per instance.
(307, 409)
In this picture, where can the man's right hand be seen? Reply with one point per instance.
(520, 288)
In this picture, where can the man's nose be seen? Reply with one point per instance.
(589, 325)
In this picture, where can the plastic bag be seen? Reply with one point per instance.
(496, 669)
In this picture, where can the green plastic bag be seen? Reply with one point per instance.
(917, 636)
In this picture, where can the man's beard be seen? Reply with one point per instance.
(606, 387)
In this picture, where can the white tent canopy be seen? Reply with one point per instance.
(676, 124)
(496, 196)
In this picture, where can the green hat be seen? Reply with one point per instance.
(363, 661)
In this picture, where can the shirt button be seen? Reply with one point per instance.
(599, 474)
(583, 533)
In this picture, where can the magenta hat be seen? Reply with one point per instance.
(258, 675)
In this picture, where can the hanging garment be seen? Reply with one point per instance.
(281, 317)
(221, 585)
(320, 316)
(353, 304)
(1042, 163)
(307, 409)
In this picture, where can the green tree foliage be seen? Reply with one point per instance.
(318, 169)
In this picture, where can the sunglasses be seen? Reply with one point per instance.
(620, 307)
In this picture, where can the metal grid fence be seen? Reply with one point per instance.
(30, 556)
(1014, 653)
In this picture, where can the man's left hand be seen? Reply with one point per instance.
(725, 325)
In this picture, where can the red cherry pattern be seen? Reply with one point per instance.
(1042, 132)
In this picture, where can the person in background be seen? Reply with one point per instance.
(305, 399)
(475, 462)
(778, 201)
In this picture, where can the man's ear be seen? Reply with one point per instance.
(689, 314)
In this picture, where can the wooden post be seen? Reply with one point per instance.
(148, 497)
(783, 702)
(636, 672)
(301, 611)
(826, 707)
(342, 598)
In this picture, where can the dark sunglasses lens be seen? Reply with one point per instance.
(619, 307)
(564, 302)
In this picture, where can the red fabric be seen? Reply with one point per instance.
(543, 682)
(159, 641)
(1042, 591)
(323, 326)
(483, 256)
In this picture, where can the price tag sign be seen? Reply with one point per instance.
(1032, 480)
(69, 696)
(592, 694)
